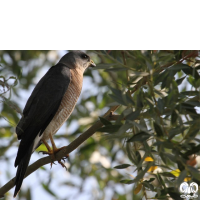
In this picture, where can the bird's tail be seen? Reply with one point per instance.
(21, 170)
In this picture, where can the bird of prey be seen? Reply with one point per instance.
(49, 106)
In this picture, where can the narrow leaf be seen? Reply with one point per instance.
(180, 80)
(141, 136)
(181, 177)
(105, 121)
(158, 129)
(123, 166)
(110, 128)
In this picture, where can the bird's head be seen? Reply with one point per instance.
(77, 59)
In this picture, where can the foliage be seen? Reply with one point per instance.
(159, 117)
(155, 139)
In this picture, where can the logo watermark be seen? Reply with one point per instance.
(188, 189)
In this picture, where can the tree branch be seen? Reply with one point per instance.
(62, 153)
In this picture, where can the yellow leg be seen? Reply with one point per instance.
(53, 150)
(47, 146)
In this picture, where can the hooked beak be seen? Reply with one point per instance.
(92, 64)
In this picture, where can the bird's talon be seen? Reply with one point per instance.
(62, 164)
(52, 163)
(65, 158)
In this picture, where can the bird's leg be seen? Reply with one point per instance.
(50, 152)
(53, 151)
(47, 146)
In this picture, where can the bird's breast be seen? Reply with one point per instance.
(67, 104)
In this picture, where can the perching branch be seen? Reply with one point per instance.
(62, 153)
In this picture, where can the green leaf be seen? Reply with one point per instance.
(142, 172)
(160, 180)
(193, 130)
(194, 150)
(133, 115)
(180, 80)
(120, 97)
(167, 174)
(190, 93)
(164, 159)
(140, 137)
(175, 195)
(180, 166)
(130, 153)
(175, 131)
(139, 104)
(193, 103)
(179, 67)
(161, 77)
(124, 128)
(148, 185)
(150, 180)
(174, 117)
(173, 158)
(138, 156)
(110, 128)
(192, 80)
(126, 181)
(139, 126)
(105, 121)
(191, 71)
(160, 105)
(139, 176)
(195, 173)
(158, 129)
(123, 166)
(181, 177)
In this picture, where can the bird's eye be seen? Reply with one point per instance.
(84, 56)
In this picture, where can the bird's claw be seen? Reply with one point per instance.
(52, 164)
(65, 158)
(62, 164)
(53, 158)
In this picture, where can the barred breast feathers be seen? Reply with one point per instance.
(67, 104)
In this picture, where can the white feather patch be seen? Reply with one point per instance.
(37, 141)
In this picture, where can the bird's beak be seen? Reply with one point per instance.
(92, 64)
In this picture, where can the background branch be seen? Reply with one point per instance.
(62, 153)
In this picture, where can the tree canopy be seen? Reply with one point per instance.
(142, 112)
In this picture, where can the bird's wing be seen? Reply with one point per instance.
(41, 107)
